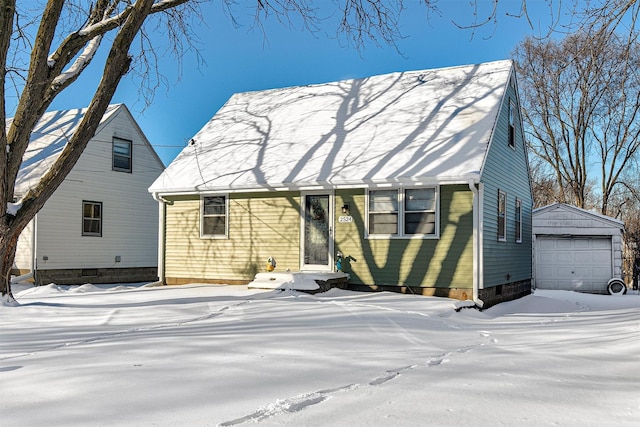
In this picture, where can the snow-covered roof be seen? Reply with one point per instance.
(422, 126)
(48, 139)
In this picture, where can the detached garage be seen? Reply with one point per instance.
(577, 250)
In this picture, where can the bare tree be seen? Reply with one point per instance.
(581, 105)
(68, 35)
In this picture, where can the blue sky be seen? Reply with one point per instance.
(239, 59)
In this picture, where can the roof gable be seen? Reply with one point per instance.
(562, 213)
(48, 139)
(423, 126)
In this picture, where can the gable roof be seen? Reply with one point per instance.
(427, 126)
(563, 207)
(48, 139)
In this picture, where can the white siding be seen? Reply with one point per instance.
(568, 220)
(130, 215)
(24, 252)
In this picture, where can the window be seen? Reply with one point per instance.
(512, 124)
(383, 212)
(518, 221)
(420, 211)
(91, 218)
(214, 216)
(403, 213)
(121, 155)
(502, 217)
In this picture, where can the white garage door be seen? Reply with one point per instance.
(573, 263)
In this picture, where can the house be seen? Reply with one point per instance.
(413, 181)
(577, 250)
(101, 224)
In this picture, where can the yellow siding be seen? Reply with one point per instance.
(260, 225)
(446, 262)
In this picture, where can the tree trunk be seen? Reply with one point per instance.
(8, 243)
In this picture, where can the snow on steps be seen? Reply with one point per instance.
(299, 281)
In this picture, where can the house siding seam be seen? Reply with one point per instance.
(506, 170)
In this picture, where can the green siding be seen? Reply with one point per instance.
(506, 169)
(442, 263)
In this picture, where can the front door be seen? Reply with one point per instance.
(317, 232)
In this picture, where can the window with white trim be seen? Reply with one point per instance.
(518, 221)
(502, 216)
(512, 124)
(122, 154)
(214, 216)
(383, 212)
(92, 218)
(411, 212)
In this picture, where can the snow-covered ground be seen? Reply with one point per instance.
(203, 355)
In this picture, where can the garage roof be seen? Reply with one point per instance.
(561, 218)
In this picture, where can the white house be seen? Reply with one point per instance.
(575, 249)
(101, 224)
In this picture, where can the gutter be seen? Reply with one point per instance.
(478, 220)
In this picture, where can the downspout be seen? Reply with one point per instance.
(477, 241)
(162, 202)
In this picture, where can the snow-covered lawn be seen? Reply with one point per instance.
(203, 355)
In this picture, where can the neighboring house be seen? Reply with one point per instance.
(418, 179)
(576, 250)
(101, 224)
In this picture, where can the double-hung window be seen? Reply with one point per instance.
(502, 216)
(92, 218)
(383, 212)
(214, 216)
(518, 221)
(121, 155)
(403, 213)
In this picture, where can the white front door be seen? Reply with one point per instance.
(317, 232)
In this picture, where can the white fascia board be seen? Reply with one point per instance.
(399, 183)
